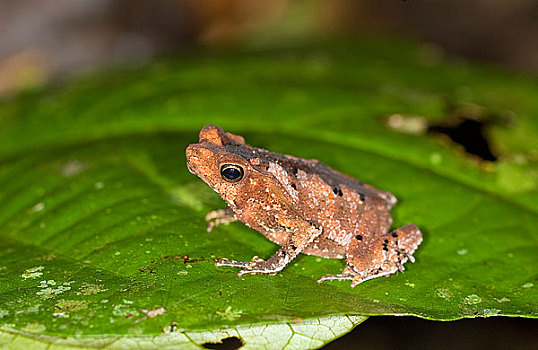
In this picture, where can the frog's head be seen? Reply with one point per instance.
(223, 161)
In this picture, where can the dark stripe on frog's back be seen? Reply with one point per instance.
(291, 164)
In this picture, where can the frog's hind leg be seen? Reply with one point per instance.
(382, 255)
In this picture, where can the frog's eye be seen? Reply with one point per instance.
(231, 172)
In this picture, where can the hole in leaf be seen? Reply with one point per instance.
(470, 134)
(466, 125)
(229, 343)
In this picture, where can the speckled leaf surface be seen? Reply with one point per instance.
(307, 334)
(102, 227)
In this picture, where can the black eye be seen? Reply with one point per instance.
(231, 172)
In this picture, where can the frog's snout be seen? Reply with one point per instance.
(192, 154)
(199, 159)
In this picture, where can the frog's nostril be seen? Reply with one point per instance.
(191, 152)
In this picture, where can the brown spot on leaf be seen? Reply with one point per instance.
(186, 258)
(147, 268)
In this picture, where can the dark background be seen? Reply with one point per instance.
(391, 332)
(42, 41)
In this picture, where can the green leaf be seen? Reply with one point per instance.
(102, 226)
(310, 334)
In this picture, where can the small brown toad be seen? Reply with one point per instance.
(302, 205)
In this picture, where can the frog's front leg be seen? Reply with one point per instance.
(219, 217)
(303, 233)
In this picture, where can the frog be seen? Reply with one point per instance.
(302, 205)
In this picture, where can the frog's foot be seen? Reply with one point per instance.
(255, 266)
(232, 263)
(383, 256)
(359, 278)
(282, 257)
(235, 263)
(271, 266)
(339, 277)
(347, 274)
(356, 278)
(219, 217)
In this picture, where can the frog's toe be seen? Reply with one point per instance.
(219, 217)
(213, 214)
(232, 263)
(338, 277)
(248, 272)
(259, 266)
(219, 221)
(255, 266)
(357, 281)
(219, 214)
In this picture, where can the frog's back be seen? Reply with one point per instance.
(319, 174)
(341, 205)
